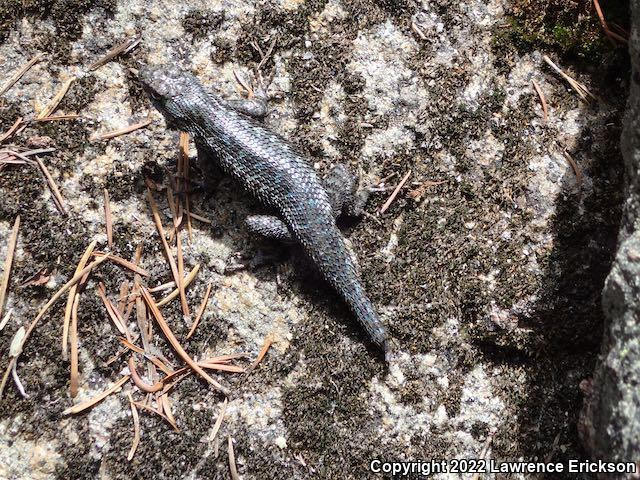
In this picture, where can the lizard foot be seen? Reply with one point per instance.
(256, 103)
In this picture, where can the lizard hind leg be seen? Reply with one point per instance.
(345, 196)
(269, 227)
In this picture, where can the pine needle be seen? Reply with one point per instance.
(97, 399)
(174, 341)
(9, 133)
(123, 131)
(20, 73)
(184, 155)
(72, 293)
(580, 89)
(543, 100)
(181, 287)
(574, 166)
(395, 192)
(136, 428)
(108, 219)
(167, 250)
(201, 310)
(263, 351)
(113, 312)
(55, 101)
(151, 409)
(232, 460)
(57, 197)
(140, 383)
(216, 426)
(8, 262)
(126, 46)
(187, 281)
(124, 263)
(73, 338)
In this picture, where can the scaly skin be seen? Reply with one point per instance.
(271, 170)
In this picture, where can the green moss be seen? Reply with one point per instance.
(572, 29)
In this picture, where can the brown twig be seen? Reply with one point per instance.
(263, 351)
(395, 192)
(580, 89)
(201, 310)
(575, 168)
(18, 75)
(232, 460)
(55, 101)
(57, 197)
(123, 263)
(97, 399)
(613, 36)
(9, 133)
(136, 428)
(543, 101)
(187, 281)
(123, 131)
(126, 46)
(8, 262)
(108, 219)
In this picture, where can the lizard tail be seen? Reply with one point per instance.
(356, 298)
(336, 266)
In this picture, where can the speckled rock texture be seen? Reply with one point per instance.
(487, 269)
(610, 425)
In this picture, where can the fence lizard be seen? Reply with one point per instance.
(228, 135)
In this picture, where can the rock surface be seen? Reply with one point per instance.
(487, 268)
(610, 424)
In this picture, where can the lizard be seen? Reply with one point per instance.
(229, 136)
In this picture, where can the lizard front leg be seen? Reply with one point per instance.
(269, 226)
(208, 163)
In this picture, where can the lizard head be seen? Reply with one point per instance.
(169, 89)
